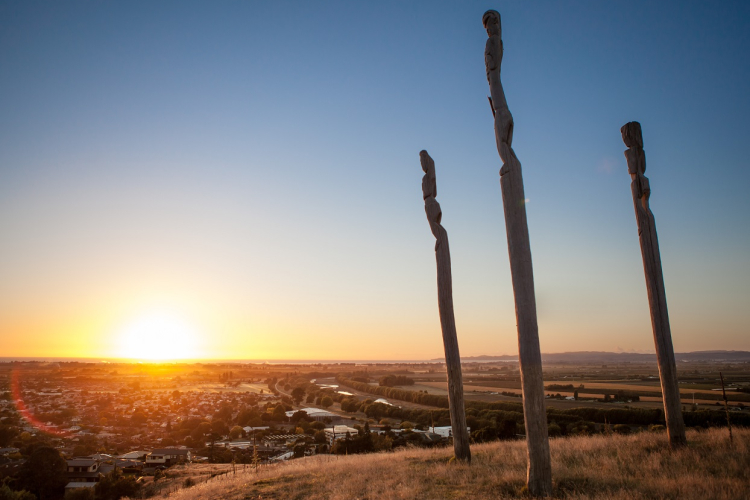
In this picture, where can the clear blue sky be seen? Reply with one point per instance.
(254, 166)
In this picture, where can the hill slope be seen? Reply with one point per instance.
(606, 467)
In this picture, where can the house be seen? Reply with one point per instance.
(134, 455)
(168, 457)
(82, 473)
(444, 431)
(125, 466)
(76, 465)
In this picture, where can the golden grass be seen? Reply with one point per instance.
(603, 467)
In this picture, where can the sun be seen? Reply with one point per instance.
(158, 336)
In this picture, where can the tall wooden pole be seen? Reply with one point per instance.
(657, 297)
(445, 305)
(726, 407)
(539, 472)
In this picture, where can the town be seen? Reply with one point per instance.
(140, 429)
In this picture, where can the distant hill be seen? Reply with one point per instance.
(619, 357)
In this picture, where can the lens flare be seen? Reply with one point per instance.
(26, 414)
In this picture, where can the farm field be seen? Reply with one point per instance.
(486, 382)
(219, 387)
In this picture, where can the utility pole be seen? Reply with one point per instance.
(539, 471)
(657, 296)
(434, 213)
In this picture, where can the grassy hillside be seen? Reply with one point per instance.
(606, 467)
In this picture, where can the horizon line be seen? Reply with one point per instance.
(483, 357)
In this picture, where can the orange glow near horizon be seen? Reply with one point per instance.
(158, 336)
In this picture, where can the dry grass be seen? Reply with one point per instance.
(602, 467)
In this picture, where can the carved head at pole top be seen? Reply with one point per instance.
(632, 135)
(429, 183)
(491, 22)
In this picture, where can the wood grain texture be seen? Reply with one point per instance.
(445, 306)
(539, 472)
(657, 296)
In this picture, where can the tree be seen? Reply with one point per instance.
(79, 494)
(298, 416)
(236, 432)
(507, 429)
(138, 418)
(44, 473)
(279, 413)
(7, 434)
(114, 486)
(246, 415)
(196, 434)
(395, 380)
(219, 427)
(320, 437)
(297, 394)
(8, 494)
(326, 401)
(225, 413)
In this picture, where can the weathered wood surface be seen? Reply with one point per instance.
(726, 408)
(657, 297)
(445, 306)
(539, 472)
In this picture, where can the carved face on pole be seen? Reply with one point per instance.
(429, 184)
(491, 22)
(631, 135)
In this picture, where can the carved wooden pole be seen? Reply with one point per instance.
(539, 472)
(657, 297)
(445, 305)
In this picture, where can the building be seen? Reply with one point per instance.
(124, 466)
(168, 457)
(339, 432)
(444, 431)
(314, 413)
(82, 473)
(281, 439)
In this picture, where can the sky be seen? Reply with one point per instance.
(241, 180)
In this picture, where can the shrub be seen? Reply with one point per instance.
(77, 494)
(622, 429)
(554, 430)
(8, 494)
